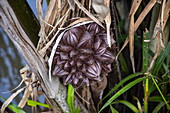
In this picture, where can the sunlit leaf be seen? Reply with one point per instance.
(128, 104)
(163, 97)
(35, 103)
(158, 98)
(158, 107)
(121, 91)
(120, 84)
(123, 63)
(77, 110)
(70, 98)
(113, 110)
(160, 60)
(13, 107)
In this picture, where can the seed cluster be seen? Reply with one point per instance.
(82, 55)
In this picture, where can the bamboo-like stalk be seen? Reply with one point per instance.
(145, 65)
(146, 95)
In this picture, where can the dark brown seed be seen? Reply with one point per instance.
(106, 69)
(97, 43)
(65, 48)
(100, 51)
(59, 71)
(64, 56)
(73, 53)
(86, 41)
(94, 70)
(67, 66)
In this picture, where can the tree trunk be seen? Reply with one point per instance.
(26, 18)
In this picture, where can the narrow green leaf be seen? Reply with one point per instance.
(163, 97)
(123, 64)
(113, 110)
(158, 98)
(35, 103)
(120, 84)
(128, 104)
(160, 60)
(70, 98)
(13, 107)
(121, 25)
(121, 91)
(158, 107)
(77, 110)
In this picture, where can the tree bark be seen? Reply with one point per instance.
(27, 19)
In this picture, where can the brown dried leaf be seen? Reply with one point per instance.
(9, 100)
(130, 39)
(24, 69)
(108, 23)
(88, 13)
(166, 13)
(162, 13)
(51, 13)
(25, 97)
(43, 50)
(28, 89)
(158, 47)
(40, 17)
(144, 13)
(90, 5)
(80, 20)
(158, 30)
(131, 42)
(71, 4)
(135, 6)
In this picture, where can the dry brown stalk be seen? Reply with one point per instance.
(88, 13)
(135, 6)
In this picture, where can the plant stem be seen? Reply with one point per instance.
(145, 65)
(146, 96)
